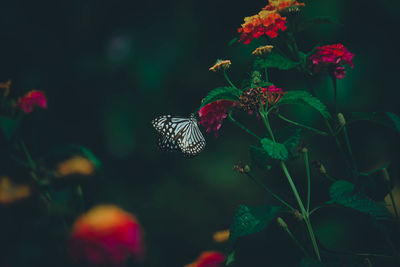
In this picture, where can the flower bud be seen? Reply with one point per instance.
(256, 79)
(282, 223)
(263, 51)
(220, 65)
(298, 215)
(304, 150)
(320, 167)
(241, 168)
(341, 119)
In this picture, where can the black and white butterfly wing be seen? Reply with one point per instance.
(179, 133)
(168, 145)
(192, 141)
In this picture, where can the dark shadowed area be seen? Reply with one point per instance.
(110, 67)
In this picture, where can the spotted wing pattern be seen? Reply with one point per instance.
(179, 133)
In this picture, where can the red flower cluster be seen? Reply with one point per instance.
(31, 100)
(331, 58)
(274, 94)
(212, 114)
(106, 236)
(268, 21)
(208, 259)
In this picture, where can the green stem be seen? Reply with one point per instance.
(297, 242)
(302, 209)
(241, 126)
(302, 125)
(346, 138)
(228, 80)
(266, 123)
(28, 156)
(270, 192)
(295, 192)
(335, 91)
(339, 146)
(308, 180)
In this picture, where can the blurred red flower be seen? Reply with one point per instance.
(31, 100)
(212, 114)
(106, 236)
(331, 58)
(208, 259)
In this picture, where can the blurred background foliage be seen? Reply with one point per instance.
(110, 67)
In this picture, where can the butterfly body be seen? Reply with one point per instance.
(179, 134)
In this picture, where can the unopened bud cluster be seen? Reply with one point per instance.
(241, 168)
(341, 119)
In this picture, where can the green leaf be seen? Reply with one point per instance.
(309, 23)
(251, 219)
(303, 98)
(292, 144)
(230, 258)
(233, 41)
(387, 119)
(275, 150)
(311, 262)
(221, 93)
(275, 60)
(260, 157)
(341, 192)
(8, 126)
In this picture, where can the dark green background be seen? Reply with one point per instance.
(110, 67)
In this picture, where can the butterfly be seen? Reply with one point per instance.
(179, 134)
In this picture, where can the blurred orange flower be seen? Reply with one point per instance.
(208, 259)
(75, 165)
(221, 236)
(106, 236)
(10, 193)
(282, 4)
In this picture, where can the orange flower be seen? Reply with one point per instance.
(208, 259)
(10, 193)
(106, 236)
(263, 50)
(75, 165)
(266, 22)
(282, 4)
(220, 65)
(221, 236)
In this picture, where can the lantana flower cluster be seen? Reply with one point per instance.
(331, 58)
(212, 114)
(267, 22)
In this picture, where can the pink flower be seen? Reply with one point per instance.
(331, 58)
(106, 236)
(208, 259)
(31, 100)
(212, 114)
(274, 94)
